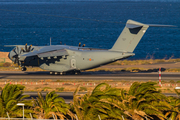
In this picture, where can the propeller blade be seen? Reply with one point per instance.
(16, 61)
(18, 50)
(26, 47)
(79, 44)
(22, 50)
(29, 48)
(83, 45)
(15, 51)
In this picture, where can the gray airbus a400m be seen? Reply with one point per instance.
(59, 59)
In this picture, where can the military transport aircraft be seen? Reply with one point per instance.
(60, 59)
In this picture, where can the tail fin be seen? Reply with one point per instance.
(130, 36)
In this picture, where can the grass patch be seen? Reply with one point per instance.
(83, 89)
(143, 62)
(46, 88)
(60, 89)
(173, 70)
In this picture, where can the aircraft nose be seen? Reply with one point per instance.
(11, 55)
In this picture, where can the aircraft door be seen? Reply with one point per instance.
(73, 63)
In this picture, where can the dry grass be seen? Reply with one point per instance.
(129, 69)
(173, 70)
(143, 62)
(68, 86)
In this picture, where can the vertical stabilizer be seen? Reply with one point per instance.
(130, 36)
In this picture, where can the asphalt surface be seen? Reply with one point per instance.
(19, 75)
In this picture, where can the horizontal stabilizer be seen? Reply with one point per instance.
(157, 25)
(132, 26)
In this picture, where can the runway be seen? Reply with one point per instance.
(103, 75)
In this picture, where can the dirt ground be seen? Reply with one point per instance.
(4, 55)
(68, 86)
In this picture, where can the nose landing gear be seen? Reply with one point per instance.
(23, 68)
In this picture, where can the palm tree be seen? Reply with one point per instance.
(10, 96)
(52, 104)
(147, 101)
(140, 102)
(91, 105)
(174, 112)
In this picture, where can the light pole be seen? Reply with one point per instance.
(22, 104)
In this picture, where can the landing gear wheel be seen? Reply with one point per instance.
(23, 68)
(62, 73)
(77, 72)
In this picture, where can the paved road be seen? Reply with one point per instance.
(17, 75)
(68, 96)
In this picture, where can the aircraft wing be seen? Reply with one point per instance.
(61, 52)
(48, 51)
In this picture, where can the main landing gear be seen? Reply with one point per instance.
(57, 73)
(77, 72)
(23, 68)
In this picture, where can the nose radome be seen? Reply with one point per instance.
(11, 54)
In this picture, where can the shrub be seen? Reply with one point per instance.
(46, 88)
(83, 89)
(6, 64)
(60, 89)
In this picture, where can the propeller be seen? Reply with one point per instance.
(80, 45)
(18, 51)
(28, 50)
